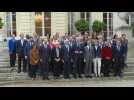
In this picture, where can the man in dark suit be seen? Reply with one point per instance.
(20, 50)
(88, 58)
(125, 45)
(57, 55)
(12, 51)
(67, 59)
(78, 57)
(44, 59)
(118, 55)
(27, 52)
(71, 44)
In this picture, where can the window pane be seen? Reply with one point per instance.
(82, 15)
(104, 15)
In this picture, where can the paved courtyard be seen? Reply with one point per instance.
(114, 82)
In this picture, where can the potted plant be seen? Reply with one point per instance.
(98, 26)
(82, 26)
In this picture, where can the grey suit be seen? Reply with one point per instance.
(88, 56)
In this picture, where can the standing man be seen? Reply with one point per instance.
(88, 58)
(27, 52)
(78, 57)
(44, 59)
(119, 56)
(57, 56)
(20, 50)
(67, 59)
(125, 45)
(12, 51)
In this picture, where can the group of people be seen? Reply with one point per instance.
(70, 55)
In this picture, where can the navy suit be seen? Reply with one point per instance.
(44, 56)
(26, 53)
(67, 60)
(12, 51)
(20, 51)
(118, 55)
(78, 58)
(96, 52)
(57, 64)
(125, 45)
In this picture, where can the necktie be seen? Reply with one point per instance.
(68, 48)
(22, 42)
(119, 48)
(88, 48)
(57, 52)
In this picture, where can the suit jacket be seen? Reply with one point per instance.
(96, 52)
(79, 48)
(54, 55)
(119, 53)
(125, 44)
(20, 47)
(12, 46)
(27, 48)
(66, 53)
(88, 53)
(44, 53)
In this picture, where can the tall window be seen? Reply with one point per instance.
(108, 20)
(47, 23)
(70, 23)
(14, 23)
(132, 22)
(38, 23)
(8, 23)
(82, 15)
(87, 17)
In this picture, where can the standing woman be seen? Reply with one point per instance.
(34, 60)
(106, 55)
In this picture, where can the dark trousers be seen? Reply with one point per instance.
(29, 70)
(118, 66)
(34, 69)
(67, 69)
(56, 68)
(88, 68)
(45, 69)
(12, 59)
(20, 60)
(107, 66)
(78, 65)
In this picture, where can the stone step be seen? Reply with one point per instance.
(4, 60)
(129, 70)
(128, 73)
(4, 66)
(130, 64)
(5, 70)
(6, 79)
